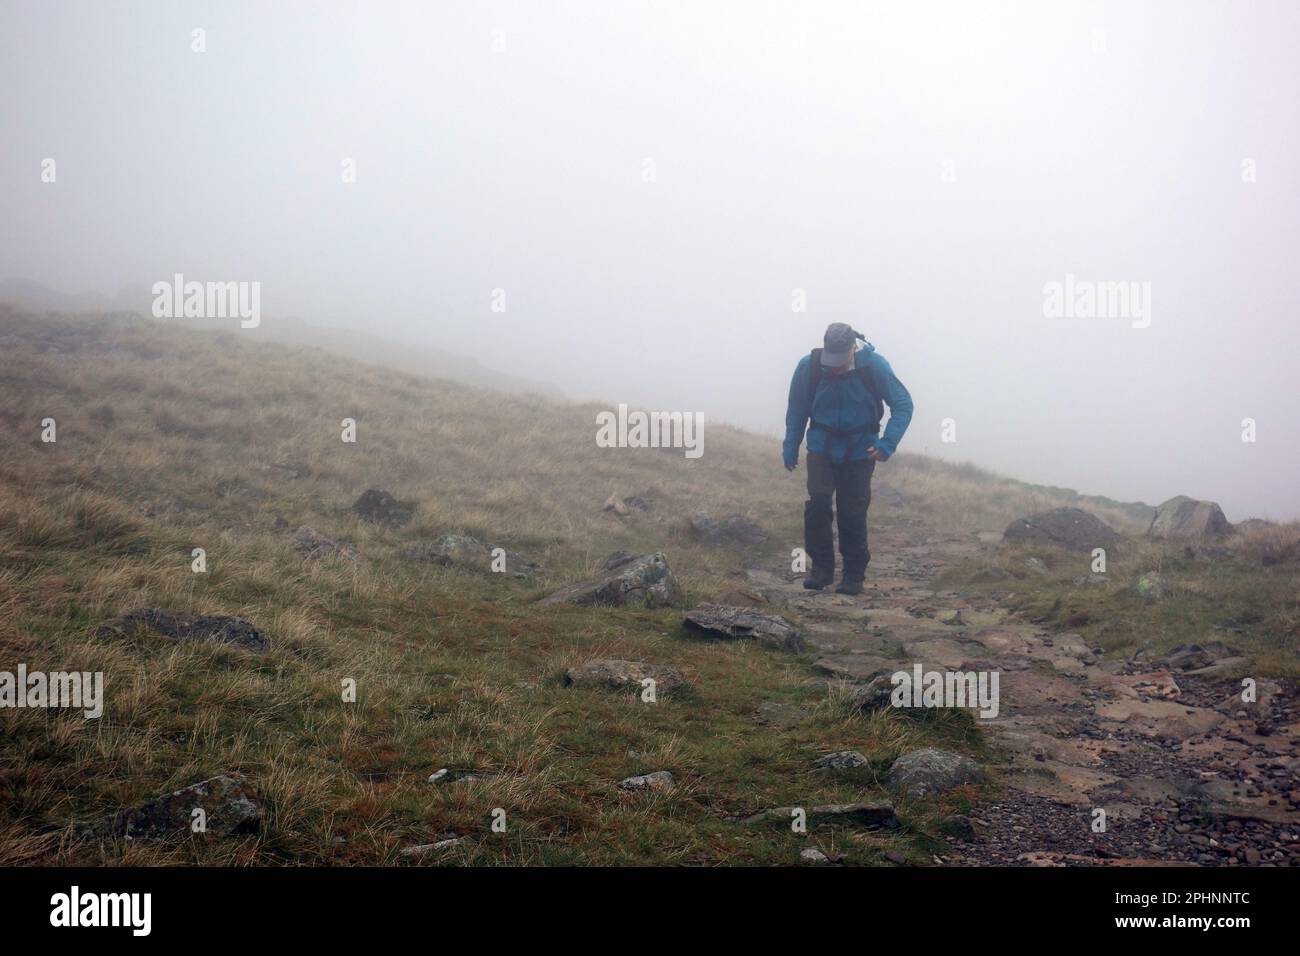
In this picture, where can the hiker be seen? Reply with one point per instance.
(843, 390)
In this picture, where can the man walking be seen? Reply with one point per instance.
(838, 395)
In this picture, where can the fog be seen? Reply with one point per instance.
(657, 187)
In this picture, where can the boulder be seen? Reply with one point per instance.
(230, 808)
(1188, 657)
(184, 626)
(462, 550)
(840, 760)
(1183, 517)
(734, 530)
(643, 581)
(873, 694)
(623, 675)
(870, 816)
(1071, 528)
(721, 620)
(659, 780)
(312, 544)
(379, 507)
(928, 771)
(616, 558)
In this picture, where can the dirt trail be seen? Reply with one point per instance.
(1185, 772)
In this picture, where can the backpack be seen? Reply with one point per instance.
(864, 374)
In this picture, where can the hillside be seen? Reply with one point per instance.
(171, 439)
(20, 295)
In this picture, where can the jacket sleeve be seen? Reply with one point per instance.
(796, 413)
(899, 400)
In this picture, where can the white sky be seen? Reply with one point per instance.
(795, 145)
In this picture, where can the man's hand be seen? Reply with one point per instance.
(791, 465)
(875, 454)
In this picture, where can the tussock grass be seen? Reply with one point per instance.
(171, 439)
(1243, 591)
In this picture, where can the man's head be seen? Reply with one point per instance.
(838, 347)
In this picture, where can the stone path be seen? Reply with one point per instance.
(1185, 772)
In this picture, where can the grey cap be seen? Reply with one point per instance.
(837, 345)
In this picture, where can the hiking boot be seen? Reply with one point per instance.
(817, 580)
(849, 585)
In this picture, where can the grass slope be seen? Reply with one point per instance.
(171, 439)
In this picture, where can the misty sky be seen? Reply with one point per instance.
(790, 146)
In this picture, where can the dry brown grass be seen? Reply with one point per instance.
(171, 439)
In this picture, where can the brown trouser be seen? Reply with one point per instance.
(850, 483)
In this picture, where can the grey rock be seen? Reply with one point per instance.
(644, 581)
(921, 773)
(840, 760)
(447, 775)
(379, 507)
(1188, 657)
(184, 626)
(230, 808)
(1071, 528)
(428, 849)
(872, 694)
(617, 558)
(1183, 517)
(659, 780)
(814, 856)
(466, 551)
(1225, 667)
(623, 675)
(871, 816)
(721, 620)
(312, 544)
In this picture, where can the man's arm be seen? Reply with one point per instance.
(899, 400)
(796, 414)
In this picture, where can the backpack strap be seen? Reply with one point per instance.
(864, 374)
(814, 377)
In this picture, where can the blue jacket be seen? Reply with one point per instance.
(845, 402)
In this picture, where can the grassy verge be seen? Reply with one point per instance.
(1243, 592)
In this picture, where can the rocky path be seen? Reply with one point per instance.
(1184, 771)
